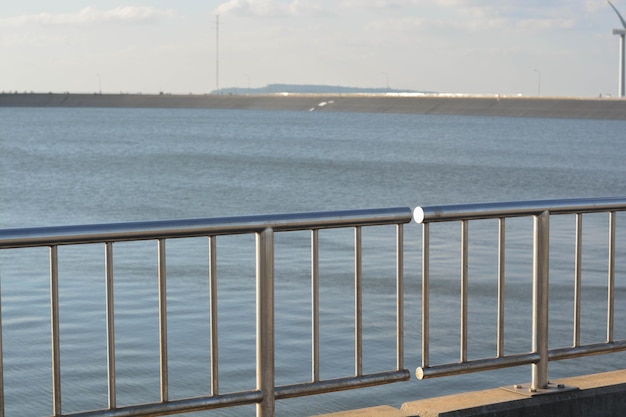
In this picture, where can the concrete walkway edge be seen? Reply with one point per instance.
(598, 395)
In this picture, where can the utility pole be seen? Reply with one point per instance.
(217, 53)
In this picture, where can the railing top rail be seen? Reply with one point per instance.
(166, 229)
(516, 208)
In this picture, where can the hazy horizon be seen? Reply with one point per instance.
(554, 48)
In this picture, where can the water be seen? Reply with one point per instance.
(74, 166)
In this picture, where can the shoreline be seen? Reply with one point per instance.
(499, 106)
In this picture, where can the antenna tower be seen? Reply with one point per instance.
(217, 53)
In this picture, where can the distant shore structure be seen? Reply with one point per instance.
(313, 89)
(622, 52)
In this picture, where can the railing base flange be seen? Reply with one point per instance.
(526, 390)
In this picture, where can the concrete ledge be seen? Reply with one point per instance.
(380, 411)
(599, 395)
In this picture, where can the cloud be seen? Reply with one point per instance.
(270, 8)
(90, 15)
(469, 16)
(547, 23)
(378, 4)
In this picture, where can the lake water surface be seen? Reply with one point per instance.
(81, 166)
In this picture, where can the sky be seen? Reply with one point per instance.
(507, 47)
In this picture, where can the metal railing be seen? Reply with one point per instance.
(540, 354)
(263, 227)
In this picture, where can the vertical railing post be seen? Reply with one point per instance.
(425, 295)
(541, 242)
(610, 319)
(213, 327)
(578, 251)
(399, 297)
(315, 306)
(162, 285)
(358, 302)
(464, 290)
(265, 322)
(110, 320)
(1, 363)
(54, 324)
(501, 284)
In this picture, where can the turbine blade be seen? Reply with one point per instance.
(618, 14)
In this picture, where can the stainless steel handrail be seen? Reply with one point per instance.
(168, 229)
(541, 211)
(263, 227)
(474, 211)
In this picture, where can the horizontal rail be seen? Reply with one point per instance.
(477, 365)
(341, 384)
(168, 229)
(586, 350)
(249, 397)
(476, 211)
(177, 406)
(488, 364)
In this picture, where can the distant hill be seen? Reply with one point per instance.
(307, 89)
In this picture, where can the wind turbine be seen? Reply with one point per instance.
(622, 52)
